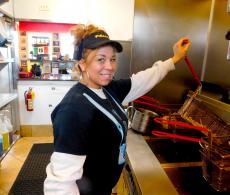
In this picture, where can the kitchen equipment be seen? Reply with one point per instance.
(195, 76)
(218, 154)
(141, 120)
(217, 176)
(198, 113)
(215, 147)
(154, 106)
(175, 134)
(215, 153)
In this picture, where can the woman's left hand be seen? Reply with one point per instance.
(180, 49)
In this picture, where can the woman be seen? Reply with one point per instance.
(90, 124)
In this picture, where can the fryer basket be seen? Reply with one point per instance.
(217, 176)
(215, 145)
(197, 113)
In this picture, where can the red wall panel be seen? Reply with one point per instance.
(44, 26)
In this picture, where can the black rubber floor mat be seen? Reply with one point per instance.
(33, 172)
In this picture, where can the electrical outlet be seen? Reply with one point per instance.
(44, 7)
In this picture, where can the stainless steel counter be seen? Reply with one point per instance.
(147, 171)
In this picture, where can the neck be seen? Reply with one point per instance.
(84, 82)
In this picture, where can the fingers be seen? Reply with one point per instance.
(180, 49)
(184, 42)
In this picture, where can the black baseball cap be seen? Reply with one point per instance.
(95, 40)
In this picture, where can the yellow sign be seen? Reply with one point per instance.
(101, 36)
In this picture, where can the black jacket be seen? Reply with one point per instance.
(81, 128)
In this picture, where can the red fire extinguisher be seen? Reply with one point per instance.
(29, 96)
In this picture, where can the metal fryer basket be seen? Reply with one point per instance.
(216, 154)
(215, 151)
(196, 112)
(217, 176)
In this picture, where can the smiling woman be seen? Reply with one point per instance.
(99, 67)
(96, 55)
(90, 123)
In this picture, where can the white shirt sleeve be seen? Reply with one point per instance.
(62, 173)
(144, 81)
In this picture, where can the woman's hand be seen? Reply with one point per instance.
(180, 49)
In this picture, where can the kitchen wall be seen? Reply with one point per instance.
(159, 24)
(124, 60)
(216, 66)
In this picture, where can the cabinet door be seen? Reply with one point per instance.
(39, 114)
(55, 95)
(46, 99)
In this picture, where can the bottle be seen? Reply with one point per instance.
(9, 127)
(5, 134)
(1, 145)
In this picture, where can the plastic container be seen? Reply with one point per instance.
(9, 127)
(5, 140)
(1, 145)
(5, 134)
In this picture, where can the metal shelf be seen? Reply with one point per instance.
(6, 98)
(15, 139)
(5, 61)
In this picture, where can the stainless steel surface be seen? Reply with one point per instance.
(157, 26)
(142, 119)
(7, 71)
(123, 60)
(228, 6)
(4, 78)
(168, 163)
(228, 52)
(6, 98)
(148, 173)
(217, 68)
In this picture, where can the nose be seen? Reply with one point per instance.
(109, 65)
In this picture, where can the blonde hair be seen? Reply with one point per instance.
(81, 31)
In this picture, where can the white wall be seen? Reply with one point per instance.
(116, 16)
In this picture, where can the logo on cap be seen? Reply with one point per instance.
(101, 36)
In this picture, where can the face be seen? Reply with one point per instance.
(99, 67)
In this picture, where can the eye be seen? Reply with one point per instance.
(101, 60)
(113, 60)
